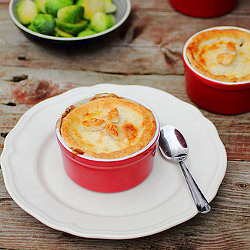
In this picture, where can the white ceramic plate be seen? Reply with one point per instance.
(35, 178)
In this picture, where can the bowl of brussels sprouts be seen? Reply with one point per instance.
(69, 21)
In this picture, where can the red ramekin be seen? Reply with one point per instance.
(212, 95)
(204, 8)
(109, 175)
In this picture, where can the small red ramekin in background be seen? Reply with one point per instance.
(212, 95)
(204, 8)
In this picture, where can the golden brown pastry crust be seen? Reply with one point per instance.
(222, 55)
(107, 127)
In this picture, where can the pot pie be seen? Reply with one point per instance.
(107, 127)
(222, 54)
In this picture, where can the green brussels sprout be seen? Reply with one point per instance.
(86, 33)
(44, 24)
(40, 5)
(71, 28)
(101, 21)
(26, 10)
(91, 7)
(71, 14)
(109, 7)
(30, 27)
(52, 6)
(80, 2)
(60, 33)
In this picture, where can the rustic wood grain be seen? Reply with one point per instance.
(146, 51)
(144, 46)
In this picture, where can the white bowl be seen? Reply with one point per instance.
(121, 15)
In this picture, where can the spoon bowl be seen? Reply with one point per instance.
(173, 147)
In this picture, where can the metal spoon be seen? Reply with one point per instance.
(173, 147)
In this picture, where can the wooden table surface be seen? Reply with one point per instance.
(146, 51)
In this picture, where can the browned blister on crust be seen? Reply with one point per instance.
(113, 115)
(112, 130)
(94, 124)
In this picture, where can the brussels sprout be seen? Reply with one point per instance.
(86, 33)
(30, 27)
(101, 21)
(80, 2)
(26, 10)
(109, 7)
(52, 6)
(44, 24)
(70, 28)
(60, 33)
(91, 7)
(71, 14)
(40, 5)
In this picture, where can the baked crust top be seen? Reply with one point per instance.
(222, 54)
(107, 127)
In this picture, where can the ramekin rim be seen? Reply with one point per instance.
(152, 141)
(184, 55)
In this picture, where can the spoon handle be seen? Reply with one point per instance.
(199, 199)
